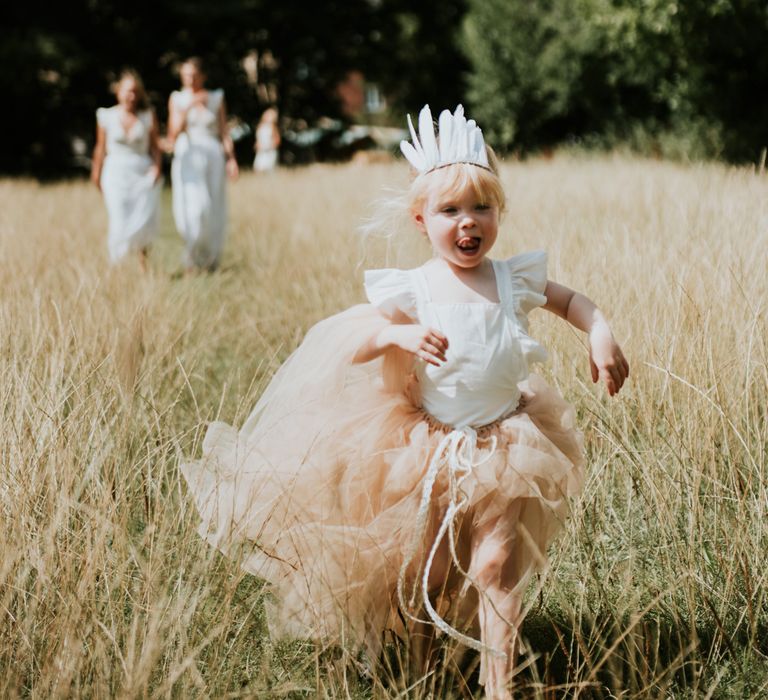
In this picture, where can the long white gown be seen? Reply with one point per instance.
(199, 177)
(130, 192)
(266, 153)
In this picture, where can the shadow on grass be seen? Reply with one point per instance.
(597, 657)
(600, 658)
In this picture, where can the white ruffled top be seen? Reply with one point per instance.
(489, 351)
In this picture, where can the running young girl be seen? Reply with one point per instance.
(404, 457)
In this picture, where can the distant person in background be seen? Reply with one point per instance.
(267, 142)
(203, 155)
(126, 168)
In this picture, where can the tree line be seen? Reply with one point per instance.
(681, 78)
(684, 79)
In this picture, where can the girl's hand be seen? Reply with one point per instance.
(96, 179)
(165, 144)
(426, 343)
(155, 173)
(606, 360)
(232, 169)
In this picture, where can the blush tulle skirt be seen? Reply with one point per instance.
(319, 493)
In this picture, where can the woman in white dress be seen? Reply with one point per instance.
(203, 155)
(267, 142)
(126, 168)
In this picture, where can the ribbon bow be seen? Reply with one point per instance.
(456, 451)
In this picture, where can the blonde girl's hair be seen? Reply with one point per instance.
(394, 212)
(142, 101)
(452, 180)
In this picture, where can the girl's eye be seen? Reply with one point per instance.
(448, 210)
(483, 207)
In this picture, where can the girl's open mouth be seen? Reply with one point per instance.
(468, 244)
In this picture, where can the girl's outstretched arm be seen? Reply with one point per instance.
(177, 121)
(155, 151)
(99, 152)
(427, 343)
(606, 360)
(227, 143)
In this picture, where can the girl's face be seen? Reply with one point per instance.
(191, 77)
(461, 226)
(127, 93)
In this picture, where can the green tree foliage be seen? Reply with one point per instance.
(421, 61)
(57, 60)
(684, 78)
(665, 76)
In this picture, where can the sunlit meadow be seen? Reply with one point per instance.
(657, 586)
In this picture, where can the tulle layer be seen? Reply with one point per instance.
(319, 492)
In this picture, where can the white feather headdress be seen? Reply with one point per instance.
(459, 141)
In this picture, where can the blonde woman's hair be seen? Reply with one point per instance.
(196, 62)
(451, 180)
(142, 101)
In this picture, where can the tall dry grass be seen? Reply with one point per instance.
(657, 588)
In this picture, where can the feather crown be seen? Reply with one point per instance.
(458, 141)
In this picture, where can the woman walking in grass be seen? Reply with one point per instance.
(267, 142)
(404, 462)
(203, 156)
(126, 168)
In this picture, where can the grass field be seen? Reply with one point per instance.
(656, 589)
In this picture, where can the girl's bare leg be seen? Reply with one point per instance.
(422, 636)
(499, 606)
(143, 255)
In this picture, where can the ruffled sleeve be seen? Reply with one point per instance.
(391, 290)
(528, 278)
(178, 99)
(215, 98)
(102, 116)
